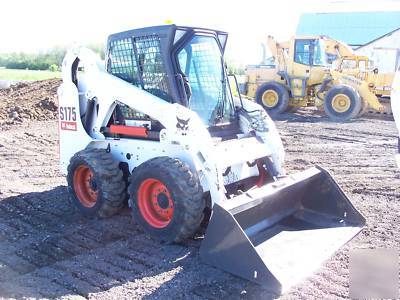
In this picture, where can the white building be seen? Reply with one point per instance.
(384, 51)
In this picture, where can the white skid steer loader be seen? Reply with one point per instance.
(159, 126)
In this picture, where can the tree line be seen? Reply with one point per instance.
(48, 60)
(52, 59)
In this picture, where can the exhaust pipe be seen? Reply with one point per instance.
(282, 232)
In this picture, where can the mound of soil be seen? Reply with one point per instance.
(29, 101)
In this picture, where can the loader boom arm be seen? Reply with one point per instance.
(335, 47)
(277, 51)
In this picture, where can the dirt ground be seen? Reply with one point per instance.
(27, 101)
(48, 250)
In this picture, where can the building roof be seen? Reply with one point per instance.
(353, 28)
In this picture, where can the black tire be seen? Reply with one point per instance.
(184, 189)
(354, 107)
(107, 180)
(283, 97)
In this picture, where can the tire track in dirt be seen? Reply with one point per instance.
(48, 250)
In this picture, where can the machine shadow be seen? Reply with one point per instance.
(302, 118)
(307, 116)
(48, 249)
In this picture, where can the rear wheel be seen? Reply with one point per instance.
(342, 103)
(166, 199)
(96, 183)
(274, 97)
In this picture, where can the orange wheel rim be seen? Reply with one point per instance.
(155, 203)
(85, 186)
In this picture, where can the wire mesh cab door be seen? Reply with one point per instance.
(142, 58)
(199, 60)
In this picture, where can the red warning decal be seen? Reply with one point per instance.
(65, 125)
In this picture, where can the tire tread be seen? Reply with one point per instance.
(113, 188)
(185, 182)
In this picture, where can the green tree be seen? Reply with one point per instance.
(42, 60)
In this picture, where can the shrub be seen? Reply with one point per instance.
(53, 68)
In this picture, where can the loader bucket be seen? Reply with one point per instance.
(278, 234)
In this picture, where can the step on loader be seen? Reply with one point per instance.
(158, 125)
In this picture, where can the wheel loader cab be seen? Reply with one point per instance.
(178, 64)
(309, 62)
(357, 66)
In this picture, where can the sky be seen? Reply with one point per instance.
(32, 26)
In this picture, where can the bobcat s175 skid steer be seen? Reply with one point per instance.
(158, 125)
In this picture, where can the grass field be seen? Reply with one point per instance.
(17, 75)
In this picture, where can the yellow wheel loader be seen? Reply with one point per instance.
(158, 124)
(300, 76)
(344, 60)
(373, 87)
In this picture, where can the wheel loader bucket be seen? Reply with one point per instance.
(278, 234)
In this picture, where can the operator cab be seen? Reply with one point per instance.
(179, 65)
(310, 52)
(309, 66)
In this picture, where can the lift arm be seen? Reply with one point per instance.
(336, 47)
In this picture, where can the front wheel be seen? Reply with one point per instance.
(342, 103)
(166, 199)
